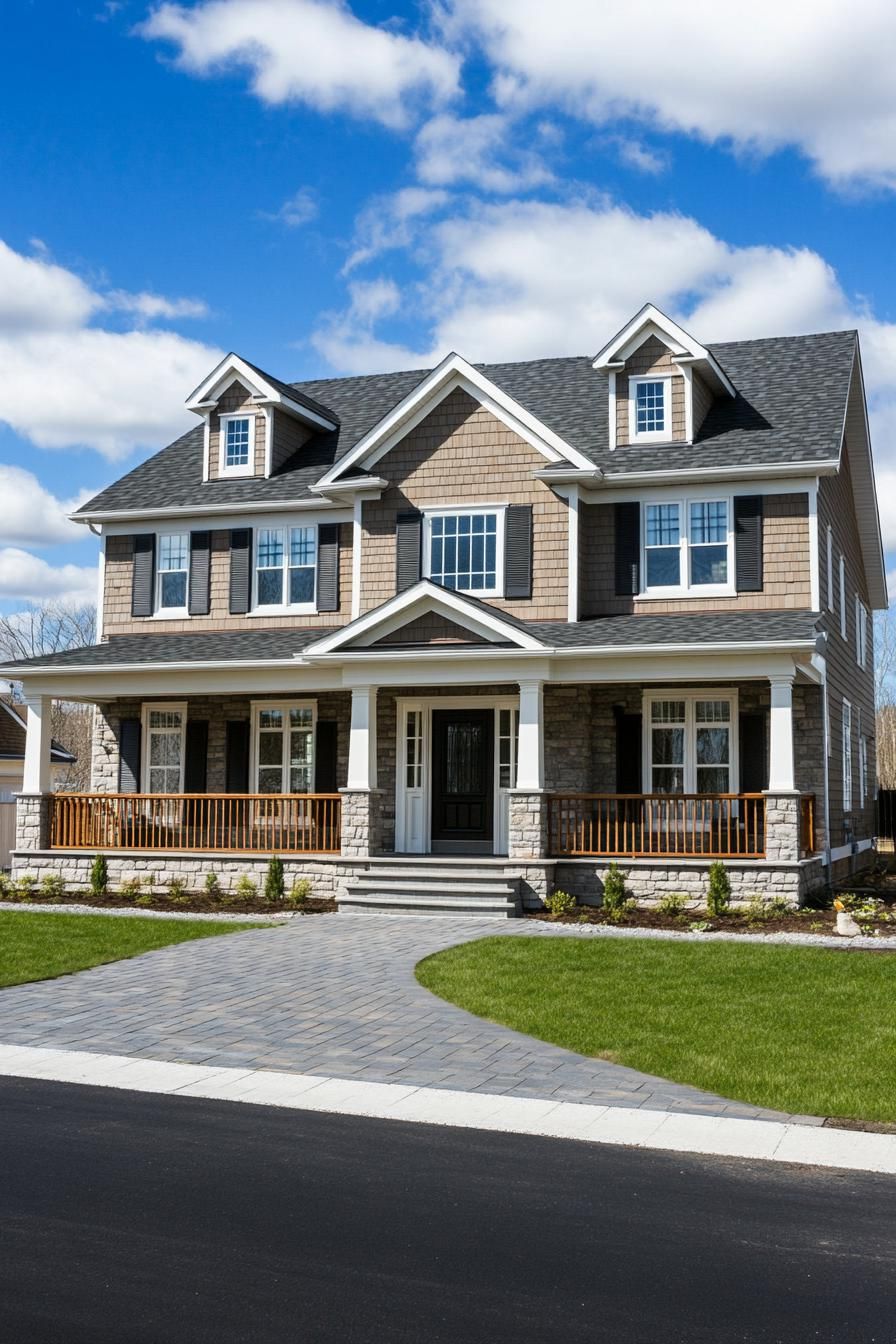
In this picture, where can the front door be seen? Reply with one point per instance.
(463, 781)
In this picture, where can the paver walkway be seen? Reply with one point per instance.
(326, 994)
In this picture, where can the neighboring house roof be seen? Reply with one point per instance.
(791, 396)
(12, 738)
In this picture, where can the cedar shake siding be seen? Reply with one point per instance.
(117, 593)
(702, 400)
(462, 454)
(846, 680)
(786, 580)
(288, 436)
(651, 357)
(432, 629)
(236, 398)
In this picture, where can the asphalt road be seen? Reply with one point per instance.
(135, 1219)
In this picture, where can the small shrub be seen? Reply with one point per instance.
(700, 926)
(212, 887)
(25, 886)
(246, 889)
(130, 889)
(718, 897)
(145, 899)
(99, 876)
(673, 904)
(274, 883)
(299, 891)
(53, 887)
(560, 903)
(7, 887)
(177, 891)
(615, 901)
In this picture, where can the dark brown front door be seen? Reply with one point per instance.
(463, 783)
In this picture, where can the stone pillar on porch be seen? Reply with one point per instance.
(527, 831)
(782, 804)
(361, 797)
(33, 803)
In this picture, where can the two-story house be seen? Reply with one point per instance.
(469, 634)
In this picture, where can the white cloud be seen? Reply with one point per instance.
(479, 150)
(298, 209)
(816, 76)
(28, 578)
(71, 384)
(30, 515)
(309, 51)
(390, 221)
(347, 339)
(635, 154)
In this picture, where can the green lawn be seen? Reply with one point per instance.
(39, 947)
(798, 1029)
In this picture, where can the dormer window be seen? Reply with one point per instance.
(651, 410)
(237, 442)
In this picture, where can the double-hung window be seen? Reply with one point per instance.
(237, 444)
(172, 571)
(164, 727)
(690, 743)
(650, 402)
(687, 546)
(284, 747)
(463, 550)
(847, 756)
(861, 633)
(286, 568)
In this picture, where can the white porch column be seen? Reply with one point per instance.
(780, 773)
(37, 776)
(362, 739)
(530, 750)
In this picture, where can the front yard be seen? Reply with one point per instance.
(40, 947)
(807, 1030)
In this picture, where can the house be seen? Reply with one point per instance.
(468, 634)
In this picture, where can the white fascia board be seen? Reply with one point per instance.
(864, 487)
(683, 346)
(204, 395)
(371, 487)
(117, 520)
(800, 475)
(424, 596)
(453, 372)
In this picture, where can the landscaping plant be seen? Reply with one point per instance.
(560, 903)
(25, 886)
(299, 891)
(99, 875)
(673, 904)
(130, 889)
(177, 891)
(246, 889)
(212, 887)
(615, 902)
(274, 883)
(718, 897)
(53, 887)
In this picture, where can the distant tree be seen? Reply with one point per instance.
(885, 693)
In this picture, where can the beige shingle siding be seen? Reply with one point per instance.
(117, 606)
(289, 435)
(651, 357)
(846, 680)
(462, 454)
(236, 398)
(785, 562)
(702, 400)
(432, 629)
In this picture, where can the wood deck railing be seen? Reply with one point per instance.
(662, 826)
(298, 823)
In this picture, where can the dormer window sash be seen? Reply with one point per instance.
(237, 444)
(650, 408)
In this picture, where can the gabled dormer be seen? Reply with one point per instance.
(253, 421)
(661, 382)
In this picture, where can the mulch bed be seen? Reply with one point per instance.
(190, 903)
(804, 921)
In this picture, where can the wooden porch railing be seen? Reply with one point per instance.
(298, 823)
(807, 824)
(682, 825)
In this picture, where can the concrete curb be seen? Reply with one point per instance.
(765, 1140)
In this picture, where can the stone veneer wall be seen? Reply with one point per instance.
(649, 880)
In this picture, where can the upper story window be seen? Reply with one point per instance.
(650, 401)
(286, 568)
(688, 546)
(237, 442)
(173, 571)
(463, 550)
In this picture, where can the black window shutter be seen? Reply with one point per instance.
(236, 756)
(200, 573)
(408, 549)
(144, 574)
(129, 756)
(753, 730)
(628, 753)
(748, 543)
(196, 757)
(240, 570)
(627, 528)
(328, 567)
(326, 756)
(518, 551)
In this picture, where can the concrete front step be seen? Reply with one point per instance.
(373, 902)
(433, 888)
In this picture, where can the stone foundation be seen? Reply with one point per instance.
(32, 820)
(650, 881)
(361, 822)
(527, 831)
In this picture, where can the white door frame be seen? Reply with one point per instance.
(413, 806)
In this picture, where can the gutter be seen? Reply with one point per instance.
(203, 510)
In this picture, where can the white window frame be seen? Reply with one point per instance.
(649, 436)
(846, 749)
(466, 511)
(690, 697)
(166, 707)
(284, 525)
(863, 770)
(842, 597)
(170, 613)
(223, 421)
(861, 633)
(830, 559)
(257, 707)
(685, 588)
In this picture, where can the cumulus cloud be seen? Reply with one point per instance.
(300, 208)
(479, 150)
(29, 578)
(315, 52)
(347, 339)
(815, 76)
(31, 515)
(71, 383)
(390, 221)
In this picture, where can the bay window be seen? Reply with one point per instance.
(690, 742)
(687, 547)
(284, 747)
(286, 568)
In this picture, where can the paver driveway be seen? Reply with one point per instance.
(325, 994)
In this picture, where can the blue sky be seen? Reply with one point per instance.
(329, 188)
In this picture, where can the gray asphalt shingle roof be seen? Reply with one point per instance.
(790, 403)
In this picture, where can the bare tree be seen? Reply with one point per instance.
(53, 627)
(885, 692)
